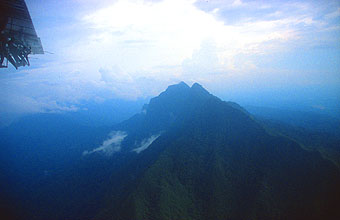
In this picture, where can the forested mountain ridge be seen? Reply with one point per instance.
(186, 155)
(213, 161)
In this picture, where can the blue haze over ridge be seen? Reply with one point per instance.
(178, 140)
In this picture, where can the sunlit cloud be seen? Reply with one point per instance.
(140, 35)
(135, 48)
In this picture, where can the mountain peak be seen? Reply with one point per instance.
(181, 85)
(197, 88)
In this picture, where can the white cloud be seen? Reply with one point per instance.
(140, 35)
(20, 104)
(237, 3)
(110, 145)
(134, 48)
(146, 143)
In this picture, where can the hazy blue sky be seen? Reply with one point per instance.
(270, 53)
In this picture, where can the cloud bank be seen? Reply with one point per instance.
(135, 48)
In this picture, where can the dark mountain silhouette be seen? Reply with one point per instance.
(213, 161)
(187, 155)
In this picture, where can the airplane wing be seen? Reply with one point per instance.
(18, 36)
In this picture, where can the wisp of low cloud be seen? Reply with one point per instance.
(146, 143)
(110, 145)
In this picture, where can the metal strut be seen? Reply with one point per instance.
(18, 37)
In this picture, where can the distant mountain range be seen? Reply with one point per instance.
(186, 155)
(314, 121)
